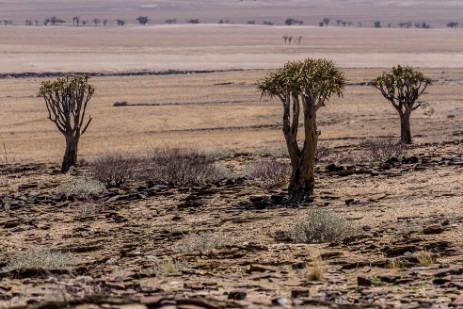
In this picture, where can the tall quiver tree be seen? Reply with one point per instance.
(66, 99)
(303, 88)
(402, 87)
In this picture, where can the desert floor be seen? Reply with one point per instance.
(126, 246)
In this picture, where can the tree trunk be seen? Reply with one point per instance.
(405, 131)
(302, 180)
(70, 154)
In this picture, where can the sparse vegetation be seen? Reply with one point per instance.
(40, 259)
(66, 100)
(425, 258)
(318, 270)
(203, 241)
(383, 148)
(321, 226)
(166, 267)
(293, 21)
(114, 169)
(272, 173)
(402, 87)
(82, 186)
(179, 167)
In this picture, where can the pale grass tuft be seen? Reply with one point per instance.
(43, 259)
(204, 241)
(317, 271)
(82, 186)
(166, 267)
(426, 258)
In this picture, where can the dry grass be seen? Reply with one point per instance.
(43, 259)
(166, 267)
(82, 186)
(317, 271)
(204, 241)
(321, 226)
(271, 173)
(425, 258)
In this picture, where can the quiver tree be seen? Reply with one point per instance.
(303, 88)
(402, 87)
(66, 100)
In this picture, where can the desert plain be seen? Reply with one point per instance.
(224, 243)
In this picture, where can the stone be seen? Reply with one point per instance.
(364, 281)
(300, 292)
(237, 295)
(433, 229)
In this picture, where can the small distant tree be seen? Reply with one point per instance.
(303, 87)
(290, 38)
(29, 22)
(377, 24)
(193, 21)
(299, 39)
(402, 87)
(452, 24)
(105, 22)
(96, 21)
(76, 21)
(292, 21)
(84, 22)
(174, 21)
(143, 20)
(120, 22)
(285, 37)
(7, 22)
(326, 21)
(66, 100)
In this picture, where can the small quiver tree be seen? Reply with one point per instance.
(402, 87)
(303, 88)
(66, 100)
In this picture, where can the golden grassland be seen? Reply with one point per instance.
(214, 110)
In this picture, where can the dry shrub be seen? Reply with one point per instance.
(321, 226)
(180, 167)
(383, 148)
(43, 259)
(82, 186)
(272, 173)
(114, 169)
(166, 267)
(204, 241)
(425, 258)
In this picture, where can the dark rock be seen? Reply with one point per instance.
(393, 251)
(433, 229)
(352, 201)
(260, 202)
(334, 168)
(237, 295)
(363, 281)
(392, 160)
(300, 292)
(411, 160)
(389, 278)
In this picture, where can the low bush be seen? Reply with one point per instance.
(383, 148)
(204, 241)
(321, 226)
(166, 267)
(272, 173)
(180, 167)
(42, 259)
(114, 169)
(82, 186)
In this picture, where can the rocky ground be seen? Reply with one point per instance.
(224, 244)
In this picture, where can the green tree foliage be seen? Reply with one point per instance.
(66, 100)
(402, 86)
(303, 86)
